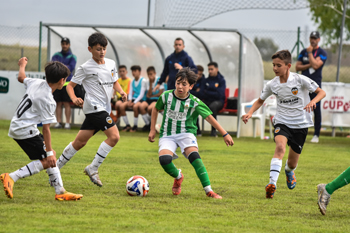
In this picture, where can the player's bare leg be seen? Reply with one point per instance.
(135, 108)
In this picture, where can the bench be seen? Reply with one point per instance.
(225, 111)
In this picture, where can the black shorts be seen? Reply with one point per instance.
(34, 147)
(97, 121)
(296, 137)
(61, 95)
(149, 101)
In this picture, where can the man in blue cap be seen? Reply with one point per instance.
(310, 62)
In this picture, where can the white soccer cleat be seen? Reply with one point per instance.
(314, 139)
(93, 176)
(323, 198)
(67, 126)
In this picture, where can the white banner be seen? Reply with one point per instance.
(335, 107)
(12, 91)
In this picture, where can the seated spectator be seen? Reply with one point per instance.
(214, 91)
(197, 91)
(124, 82)
(152, 96)
(137, 94)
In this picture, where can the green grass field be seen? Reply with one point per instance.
(238, 173)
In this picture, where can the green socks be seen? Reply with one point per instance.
(342, 180)
(199, 167)
(168, 166)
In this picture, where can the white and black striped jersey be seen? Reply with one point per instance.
(97, 81)
(292, 97)
(37, 106)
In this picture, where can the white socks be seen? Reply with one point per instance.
(145, 118)
(135, 120)
(275, 169)
(207, 189)
(28, 170)
(125, 119)
(100, 156)
(287, 168)
(56, 179)
(67, 154)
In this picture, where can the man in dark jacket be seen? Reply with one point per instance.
(214, 91)
(197, 91)
(61, 96)
(174, 62)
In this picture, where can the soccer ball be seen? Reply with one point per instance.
(137, 186)
(158, 128)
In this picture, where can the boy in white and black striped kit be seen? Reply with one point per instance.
(38, 106)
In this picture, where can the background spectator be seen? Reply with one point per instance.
(61, 96)
(310, 62)
(197, 90)
(214, 91)
(174, 62)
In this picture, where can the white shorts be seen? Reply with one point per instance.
(182, 140)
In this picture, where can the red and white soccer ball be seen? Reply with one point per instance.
(137, 186)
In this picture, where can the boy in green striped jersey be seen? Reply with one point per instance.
(181, 110)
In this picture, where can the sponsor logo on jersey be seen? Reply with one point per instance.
(294, 90)
(216, 84)
(176, 115)
(290, 101)
(277, 129)
(109, 120)
(4, 85)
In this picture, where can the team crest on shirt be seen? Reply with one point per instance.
(109, 120)
(216, 84)
(294, 90)
(277, 129)
(186, 106)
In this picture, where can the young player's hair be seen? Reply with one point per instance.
(97, 38)
(200, 68)
(179, 38)
(284, 55)
(186, 74)
(151, 68)
(135, 67)
(213, 63)
(121, 67)
(55, 71)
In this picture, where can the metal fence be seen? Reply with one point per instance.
(278, 39)
(16, 42)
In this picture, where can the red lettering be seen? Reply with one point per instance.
(346, 106)
(332, 106)
(325, 104)
(339, 104)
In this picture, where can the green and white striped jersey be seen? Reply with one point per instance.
(180, 115)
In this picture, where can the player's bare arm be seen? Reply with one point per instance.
(227, 138)
(312, 105)
(50, 161)
(315, 63)
(257, 104)
(152, 132)
(149, 92)
(119, 89)
(156, 88)
(70, 90)
(22, 66)
(300, 67)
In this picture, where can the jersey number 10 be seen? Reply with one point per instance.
(25, 104)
